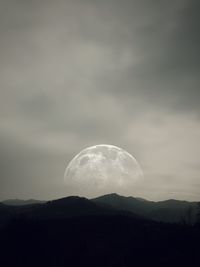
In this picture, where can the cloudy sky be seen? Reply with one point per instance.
(75, 73)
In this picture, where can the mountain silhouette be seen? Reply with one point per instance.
(67, 207)
(173, 211)
(20, 202)
(107, 231)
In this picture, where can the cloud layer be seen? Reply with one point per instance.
(80, 73)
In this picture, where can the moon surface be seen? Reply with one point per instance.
(102, 169)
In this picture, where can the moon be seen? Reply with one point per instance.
(102, 169)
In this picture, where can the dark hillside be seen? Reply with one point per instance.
(107, 240)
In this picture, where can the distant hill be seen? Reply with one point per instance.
(72, 206)
(20, 202)
(173, 211)
(63, 208)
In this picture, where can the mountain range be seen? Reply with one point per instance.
(21, 202)
(108, 231)
(170, 211)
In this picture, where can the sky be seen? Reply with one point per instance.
(76, 73)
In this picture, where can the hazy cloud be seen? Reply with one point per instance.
(79, 73)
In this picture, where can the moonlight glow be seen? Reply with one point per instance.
(102, 169)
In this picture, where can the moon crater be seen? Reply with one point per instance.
(102, 169)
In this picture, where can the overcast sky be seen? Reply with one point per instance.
(84, 72)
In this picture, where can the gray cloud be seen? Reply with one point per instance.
(79, 73)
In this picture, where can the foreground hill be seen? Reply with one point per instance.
(103, 240)
(75, 231)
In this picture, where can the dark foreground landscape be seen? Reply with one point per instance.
(107, 231)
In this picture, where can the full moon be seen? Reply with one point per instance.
(102, 169)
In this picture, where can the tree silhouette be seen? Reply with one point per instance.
(187, 217)
(198, 213)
